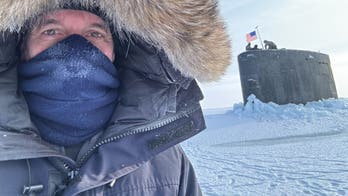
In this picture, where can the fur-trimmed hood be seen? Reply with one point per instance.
(190, 32)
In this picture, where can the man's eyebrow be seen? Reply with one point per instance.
(102, 26)
(45, 22)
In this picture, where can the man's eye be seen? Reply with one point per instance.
(96, 34)
(50, 32)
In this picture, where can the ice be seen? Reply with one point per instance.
(270, 149)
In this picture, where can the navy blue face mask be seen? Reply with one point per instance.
(70, 89)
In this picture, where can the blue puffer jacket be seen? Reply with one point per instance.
(161, 47)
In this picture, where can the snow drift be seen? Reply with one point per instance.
(269, 149)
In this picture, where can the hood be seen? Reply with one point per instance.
(170, 42)
(190, 32)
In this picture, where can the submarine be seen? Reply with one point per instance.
(285, 76)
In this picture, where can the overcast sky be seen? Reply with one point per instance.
(316, 25)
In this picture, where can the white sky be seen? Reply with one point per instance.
(294, 24)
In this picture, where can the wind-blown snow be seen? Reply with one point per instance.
(270, 149)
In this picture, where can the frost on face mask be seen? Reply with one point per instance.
(71, 90)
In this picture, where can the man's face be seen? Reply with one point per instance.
(58, 25)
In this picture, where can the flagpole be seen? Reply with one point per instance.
(258, 33)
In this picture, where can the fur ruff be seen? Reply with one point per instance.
(190, 32)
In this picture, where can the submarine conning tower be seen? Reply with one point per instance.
(286, 76)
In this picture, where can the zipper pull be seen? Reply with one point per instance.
(72, 174)
(32, 190)
(112, 183)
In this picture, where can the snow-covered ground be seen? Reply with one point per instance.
(268, 149)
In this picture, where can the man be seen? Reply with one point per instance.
(108, 94)
(269, 45)
(68, 77)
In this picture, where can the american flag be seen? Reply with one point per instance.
(251, 36)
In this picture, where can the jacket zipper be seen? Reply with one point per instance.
(65, 166)
(73, 172)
